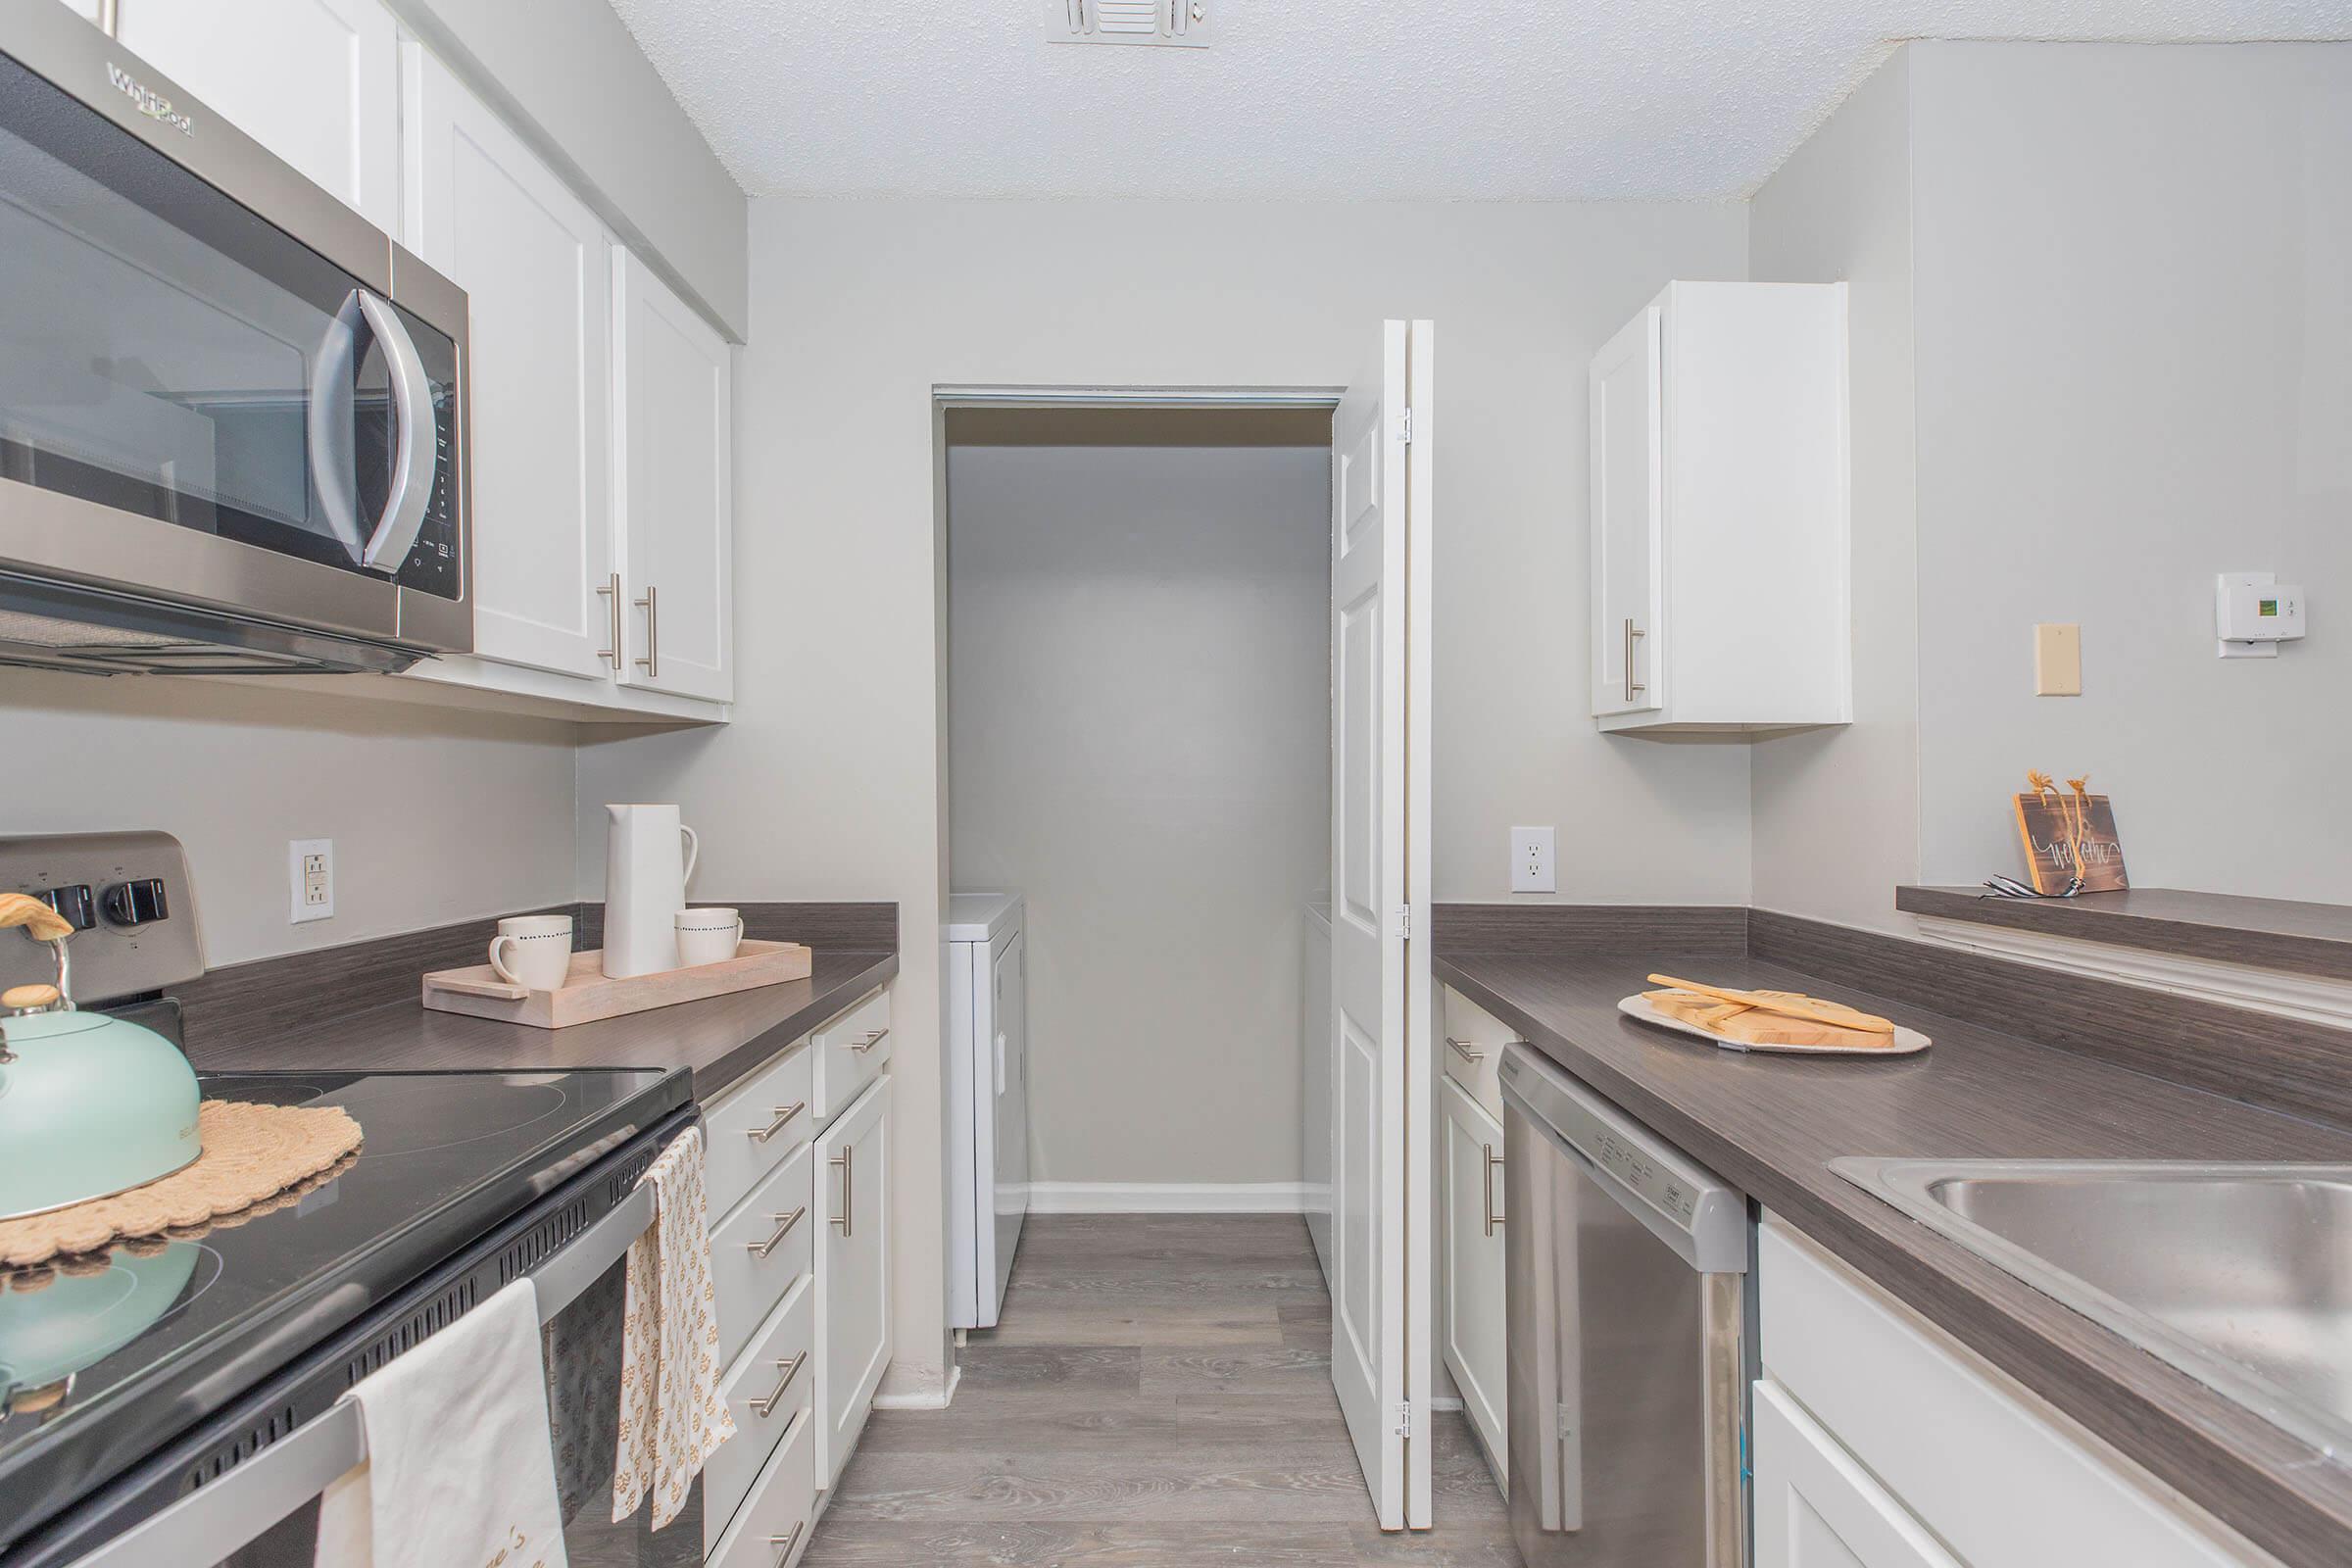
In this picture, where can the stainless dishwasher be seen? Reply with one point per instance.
(1630, 1343)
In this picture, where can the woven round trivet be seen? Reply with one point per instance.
(251, 1153)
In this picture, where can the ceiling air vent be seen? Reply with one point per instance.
(1181, 23)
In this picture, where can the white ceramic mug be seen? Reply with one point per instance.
(708, 936)
(533, 950)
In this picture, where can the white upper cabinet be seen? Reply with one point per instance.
(483, 210)
(672, 426)
(315, 81)
(1718, 519)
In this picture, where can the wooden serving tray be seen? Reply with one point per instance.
(588, 994)
(1907, 1042)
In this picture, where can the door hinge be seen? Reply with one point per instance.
(1405, 1419)
(1404, 921)
(1408, 427)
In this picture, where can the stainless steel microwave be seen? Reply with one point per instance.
(232, 413)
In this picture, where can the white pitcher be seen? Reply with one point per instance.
(649, 854)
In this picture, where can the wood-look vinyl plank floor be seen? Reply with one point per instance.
(1158, 1394)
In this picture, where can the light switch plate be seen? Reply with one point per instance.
(2057, 661)
(1530, 859)
(310, 879)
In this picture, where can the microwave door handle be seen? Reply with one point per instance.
(418, 453)
(220, 1519)
(331, 415)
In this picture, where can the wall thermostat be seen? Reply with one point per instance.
(2254, 613)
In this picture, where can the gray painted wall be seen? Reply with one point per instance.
(570, 77)
(437, 816)
(2134, 321)
(1837, 812)
(1140, 682)
(828, 782)
(2103, 351)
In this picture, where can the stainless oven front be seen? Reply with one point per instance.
(219, 387)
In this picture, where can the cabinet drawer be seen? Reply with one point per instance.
(850, 1052)
(771, 1528)
(754, 1126)
(762, 1251)
(1473, 1050)
(766, 1389)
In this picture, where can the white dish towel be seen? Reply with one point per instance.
(672, 1415)
(458, 1472)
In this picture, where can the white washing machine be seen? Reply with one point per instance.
(988, 1110)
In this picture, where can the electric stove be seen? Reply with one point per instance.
(133, 1379)
(103, 1358)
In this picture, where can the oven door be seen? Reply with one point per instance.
(263, 1512)
(195, 404)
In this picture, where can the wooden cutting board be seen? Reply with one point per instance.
(588, 994)
(1905, 1042)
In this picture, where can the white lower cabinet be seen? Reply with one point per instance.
(1470, 1272)
(1881, 1441)
(1817, 1508)
(771, 1530)
(767, 1390)
(852, 1274)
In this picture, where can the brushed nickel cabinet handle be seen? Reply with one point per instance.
(1487, 1208)
(1467, 1052)
(785, 1543)
(862, 1047)
(791, 1369)
(783, 1115)
(610, 593)
(847, 1165)
(784, 1225)
(1633, 634)
(650, 663)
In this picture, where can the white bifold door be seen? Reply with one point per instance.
(1380, 489)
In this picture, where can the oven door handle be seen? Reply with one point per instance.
(418, 457)
(217, 1520)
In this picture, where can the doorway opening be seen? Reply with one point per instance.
(1177, 708)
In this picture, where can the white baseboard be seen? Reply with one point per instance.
(1167, 1198)
(923, 1399)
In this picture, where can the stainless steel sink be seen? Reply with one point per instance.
(2238, 1275)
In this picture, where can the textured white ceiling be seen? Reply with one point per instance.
(1343, 99)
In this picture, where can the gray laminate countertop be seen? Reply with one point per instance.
(719, 1040)
(1771, 1124)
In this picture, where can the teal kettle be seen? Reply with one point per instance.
(90, 1105)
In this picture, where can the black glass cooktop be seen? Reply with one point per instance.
(166, 1331)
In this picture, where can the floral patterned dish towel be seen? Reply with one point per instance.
(672, 1416)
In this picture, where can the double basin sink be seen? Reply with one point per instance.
(2238, 1275)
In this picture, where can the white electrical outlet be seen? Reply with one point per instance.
(310, 875)
(1530, 859)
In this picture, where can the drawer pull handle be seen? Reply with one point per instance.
(791, 1369)
(785, 1543)
(847, 1165)
(1487, 1208)
(784, 1225)
(783, 1115)
(862, 1047)
(1467, 1052)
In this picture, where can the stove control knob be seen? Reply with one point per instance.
(74, 902)
(136, 904)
